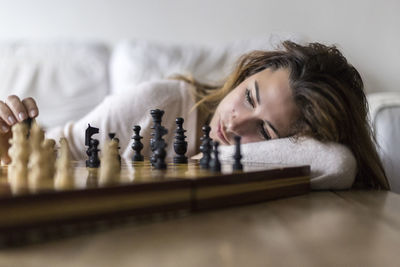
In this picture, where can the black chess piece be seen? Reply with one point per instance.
(215, 164)
(90, 131)
(137, 145)
(92, 144)
(159, 152)
(93, 153)
(205, 147)
(237, 165)
(180, 145)
(157, 115)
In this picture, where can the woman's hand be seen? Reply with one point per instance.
(12, 111)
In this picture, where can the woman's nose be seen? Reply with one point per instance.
(240, 122)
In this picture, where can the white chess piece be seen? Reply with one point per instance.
(19, 153)
(36, 136)
(38, 165)
(50, 154)
(64, 177)
(110, 165)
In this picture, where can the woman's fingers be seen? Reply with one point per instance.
(17, 107)
(6, 114)
(31, 107)
(14, 110)
(4, 128)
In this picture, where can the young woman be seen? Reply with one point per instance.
(298, 91)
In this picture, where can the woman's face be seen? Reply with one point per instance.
(260, 108)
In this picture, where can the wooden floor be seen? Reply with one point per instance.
(349, 228)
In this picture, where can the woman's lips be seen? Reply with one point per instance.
(221, 134)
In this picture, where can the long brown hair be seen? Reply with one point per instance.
(328, 92)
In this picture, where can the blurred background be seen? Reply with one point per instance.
(366, 30)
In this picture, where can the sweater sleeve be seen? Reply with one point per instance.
(120, 112)
(333, 165)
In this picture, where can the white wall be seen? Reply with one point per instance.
(366, 30)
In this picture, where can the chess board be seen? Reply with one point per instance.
(141, 189)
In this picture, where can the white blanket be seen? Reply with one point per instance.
(333, 166)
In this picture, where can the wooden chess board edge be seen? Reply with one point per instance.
(88, 219)
(252, 196)
(205, 192)
(253, 176)
(45, 210)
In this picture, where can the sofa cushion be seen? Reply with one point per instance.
(67, 79)
(136, 61)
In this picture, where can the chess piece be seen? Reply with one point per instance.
(117, 149)
(237, 165)
(90, 131)
(180, 145)
(93, 152)
(137, 145)
(50, 154)
(159, 144)
(19, 153)
(64, 176)
(36, 136)
(42, 159)
(111, 167)
(156, 114)
(205, 147)
(215, 164)
(19, 148)
(38, 174)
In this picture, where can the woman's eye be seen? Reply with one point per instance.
(248, 98)
(263, 132)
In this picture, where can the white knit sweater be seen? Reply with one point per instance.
(120, 112)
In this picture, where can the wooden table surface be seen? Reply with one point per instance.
(345, 228)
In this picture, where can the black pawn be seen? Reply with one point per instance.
(159, 152)
(137, 145)
(215, 164)
(93, 153)
(157, 115)
(205, 147)
(180, 145)
(237, 165)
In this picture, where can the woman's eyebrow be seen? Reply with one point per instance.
(257, 91)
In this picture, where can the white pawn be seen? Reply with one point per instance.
(64, 177)
(110, 167)
(19, 154)
(38, 175)
(50, 154)
(36, 136)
